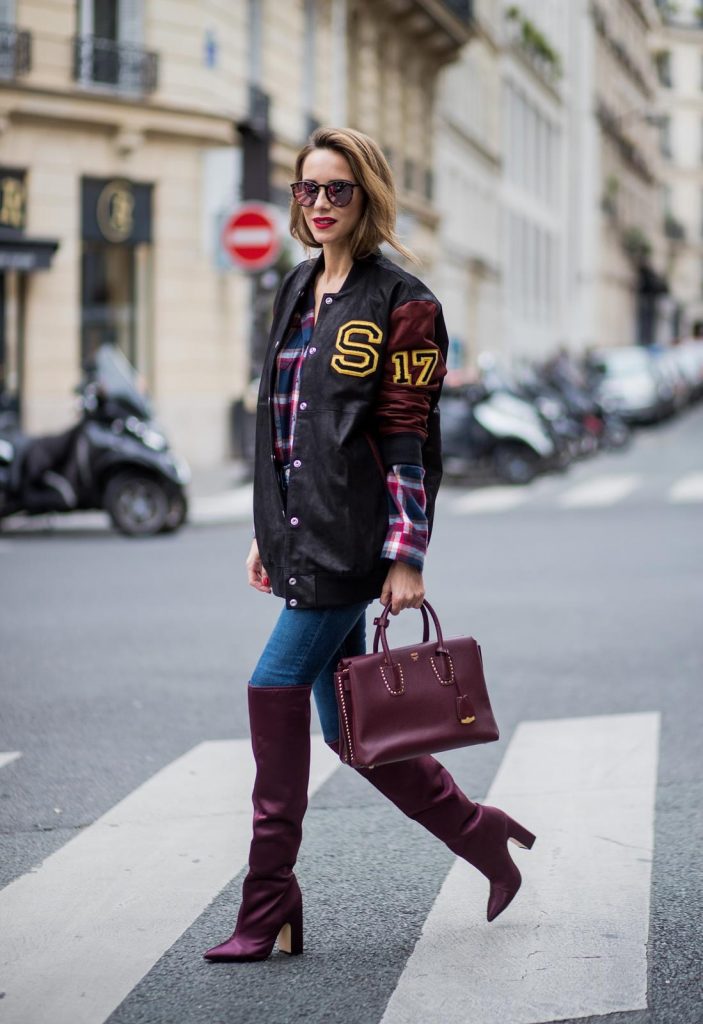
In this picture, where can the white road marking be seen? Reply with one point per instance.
(489, 499)
(599, 491)
(226, 507)
(688, 488)
(574, 944)
(81, 930)
(9, 757)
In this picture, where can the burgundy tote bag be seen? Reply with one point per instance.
(397, 703)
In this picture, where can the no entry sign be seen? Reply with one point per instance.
(251, 236)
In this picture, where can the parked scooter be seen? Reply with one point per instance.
(115, 458)
(493, 433)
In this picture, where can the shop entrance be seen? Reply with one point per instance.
(116, 271)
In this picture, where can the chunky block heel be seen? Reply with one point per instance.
(290, 937)
(519, 835)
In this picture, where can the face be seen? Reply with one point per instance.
(330, 224)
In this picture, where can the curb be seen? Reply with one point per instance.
(232, 506)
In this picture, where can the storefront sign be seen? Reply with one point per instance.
(116, 210)
(13, 202)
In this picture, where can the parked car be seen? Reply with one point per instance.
(627, 381)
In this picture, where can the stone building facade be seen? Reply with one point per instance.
(678, 52)
(121, 145)
(468, 155)
(626, 281)
(535, 76)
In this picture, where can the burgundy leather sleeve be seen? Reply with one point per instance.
(412, 373)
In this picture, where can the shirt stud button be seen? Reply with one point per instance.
(297, 463)
(292, 581)
(294, 520)
(293, 602)
(328, 300)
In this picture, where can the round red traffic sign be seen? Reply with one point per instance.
(251, 236)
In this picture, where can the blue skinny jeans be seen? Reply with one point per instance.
(304, 649)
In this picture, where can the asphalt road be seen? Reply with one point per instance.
(118, 657)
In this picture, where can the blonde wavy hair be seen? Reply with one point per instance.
(372, 171)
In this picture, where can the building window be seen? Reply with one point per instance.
(665, 137)
(108, 48)
(663, 64)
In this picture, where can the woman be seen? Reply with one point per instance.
(347, 470)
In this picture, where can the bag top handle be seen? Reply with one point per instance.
(382, 622)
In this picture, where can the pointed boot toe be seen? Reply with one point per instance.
(499, 899)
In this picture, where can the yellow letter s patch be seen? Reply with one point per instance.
(357, 348)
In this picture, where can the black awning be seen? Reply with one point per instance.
(27, 253)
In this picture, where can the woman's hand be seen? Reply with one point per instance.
(404, 588)
(256, 574)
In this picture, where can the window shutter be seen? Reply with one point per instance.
(7, 12)
(130, 22)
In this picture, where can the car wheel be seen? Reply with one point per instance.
(137, 504)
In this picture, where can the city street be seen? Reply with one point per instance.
(125, 772)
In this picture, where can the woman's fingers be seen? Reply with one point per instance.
(403, 588)
(256, 574)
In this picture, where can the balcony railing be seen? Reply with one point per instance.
(126, 67)
(15, 52)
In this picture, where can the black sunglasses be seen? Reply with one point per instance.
(339, 193)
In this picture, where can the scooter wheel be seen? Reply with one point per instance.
(514, 463)
(177, 512)
(137, 504)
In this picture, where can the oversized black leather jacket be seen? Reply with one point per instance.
(368, 399)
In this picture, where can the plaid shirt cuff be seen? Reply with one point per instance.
(406, 540)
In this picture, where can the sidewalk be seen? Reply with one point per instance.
(217, 494)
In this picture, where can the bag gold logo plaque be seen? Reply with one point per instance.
(421, 699)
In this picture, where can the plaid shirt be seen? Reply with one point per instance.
(406, 540)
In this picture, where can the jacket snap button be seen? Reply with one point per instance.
(313, 350)
(292, 602)
(328, 301)
(297, 463)
(303, 405)
(292, 581)
(294, 520)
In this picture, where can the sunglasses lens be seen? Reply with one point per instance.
(305, 192)
(340, 193)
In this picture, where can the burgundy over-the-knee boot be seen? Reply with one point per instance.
(272, 905)
(424, 790)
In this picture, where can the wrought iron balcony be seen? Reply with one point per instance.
(15, 52)
(104, 62)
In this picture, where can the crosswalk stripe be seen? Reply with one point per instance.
(574, 944)
(489, 499)
(9, 756)
(599, 491)
(688, 488)
(80, 931)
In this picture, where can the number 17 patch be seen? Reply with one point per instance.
(406, 364)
